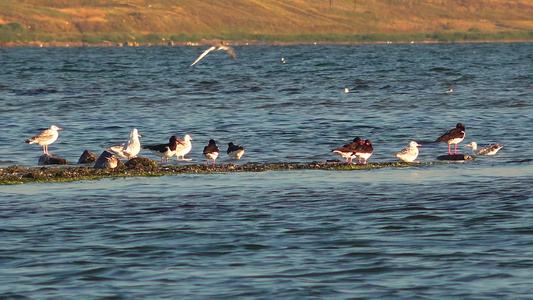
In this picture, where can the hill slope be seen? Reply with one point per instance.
(157, 21)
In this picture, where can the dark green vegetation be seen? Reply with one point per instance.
(111, 22)
(149, 168)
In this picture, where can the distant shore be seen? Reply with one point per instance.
(242, 43)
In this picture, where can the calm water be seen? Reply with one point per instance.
(424, 232)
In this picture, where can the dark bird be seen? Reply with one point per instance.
(235, 151)
(217, 47)
(347, 151)
(453, 136)
(45, 138)
(211, 151)
(164, 151)
(364, 151)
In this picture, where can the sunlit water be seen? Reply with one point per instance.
(430, 231)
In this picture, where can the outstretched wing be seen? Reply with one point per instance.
(231, 52)
(203, 55)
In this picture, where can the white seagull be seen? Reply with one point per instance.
(184, 148)
(130, 148)
(410, 153)
(45, 138)
(216, 48)
(491, 149)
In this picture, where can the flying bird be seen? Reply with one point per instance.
(216, 48)
(453, 136)
(45, 138)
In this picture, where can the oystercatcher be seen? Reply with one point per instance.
(453, 136)
(347, 151)
(235, 151)
(164, 151)
(211, 151)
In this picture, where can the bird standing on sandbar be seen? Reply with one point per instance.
(453, 136)
(235, 151)
(165, 150)
(410, 153)
(217, 47)
(184, 148)
(45, 138)
(347, 151)
(130, 148)
(364, 151)
(211, 151)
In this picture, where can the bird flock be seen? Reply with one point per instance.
(356, 149)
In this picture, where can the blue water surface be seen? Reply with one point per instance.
(460, 230)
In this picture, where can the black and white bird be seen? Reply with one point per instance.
(347, 151)
(453, 136)
(164, 151)
(217, 47)
(491, 149)
(410, 153)
(235, 151)
(211, 151)
(45, 138)
(364, 151)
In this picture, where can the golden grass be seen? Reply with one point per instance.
(210, 19)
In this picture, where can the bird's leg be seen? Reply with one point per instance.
(455, 150)
(449, 149)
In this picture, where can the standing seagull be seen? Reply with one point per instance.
(165, 150)
(410, 153)
(211, 151)
(216, 48)
(453, 136)
(235, 151)
(130, 148)
(184, 148)
(45, 138)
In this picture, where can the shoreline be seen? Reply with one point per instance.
(147, 168)
(240, 43)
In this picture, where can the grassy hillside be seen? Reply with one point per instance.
(181, 21)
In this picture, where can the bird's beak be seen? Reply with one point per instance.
(139, 135)
(59, 128)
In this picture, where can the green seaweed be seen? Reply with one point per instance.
(19, 175)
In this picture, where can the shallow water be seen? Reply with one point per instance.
(427, 231)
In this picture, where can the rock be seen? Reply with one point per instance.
(87, 157)
(108, 160)
(49, 159)
(141, 163)
(456, 157)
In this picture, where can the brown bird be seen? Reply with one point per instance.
(45, 138)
